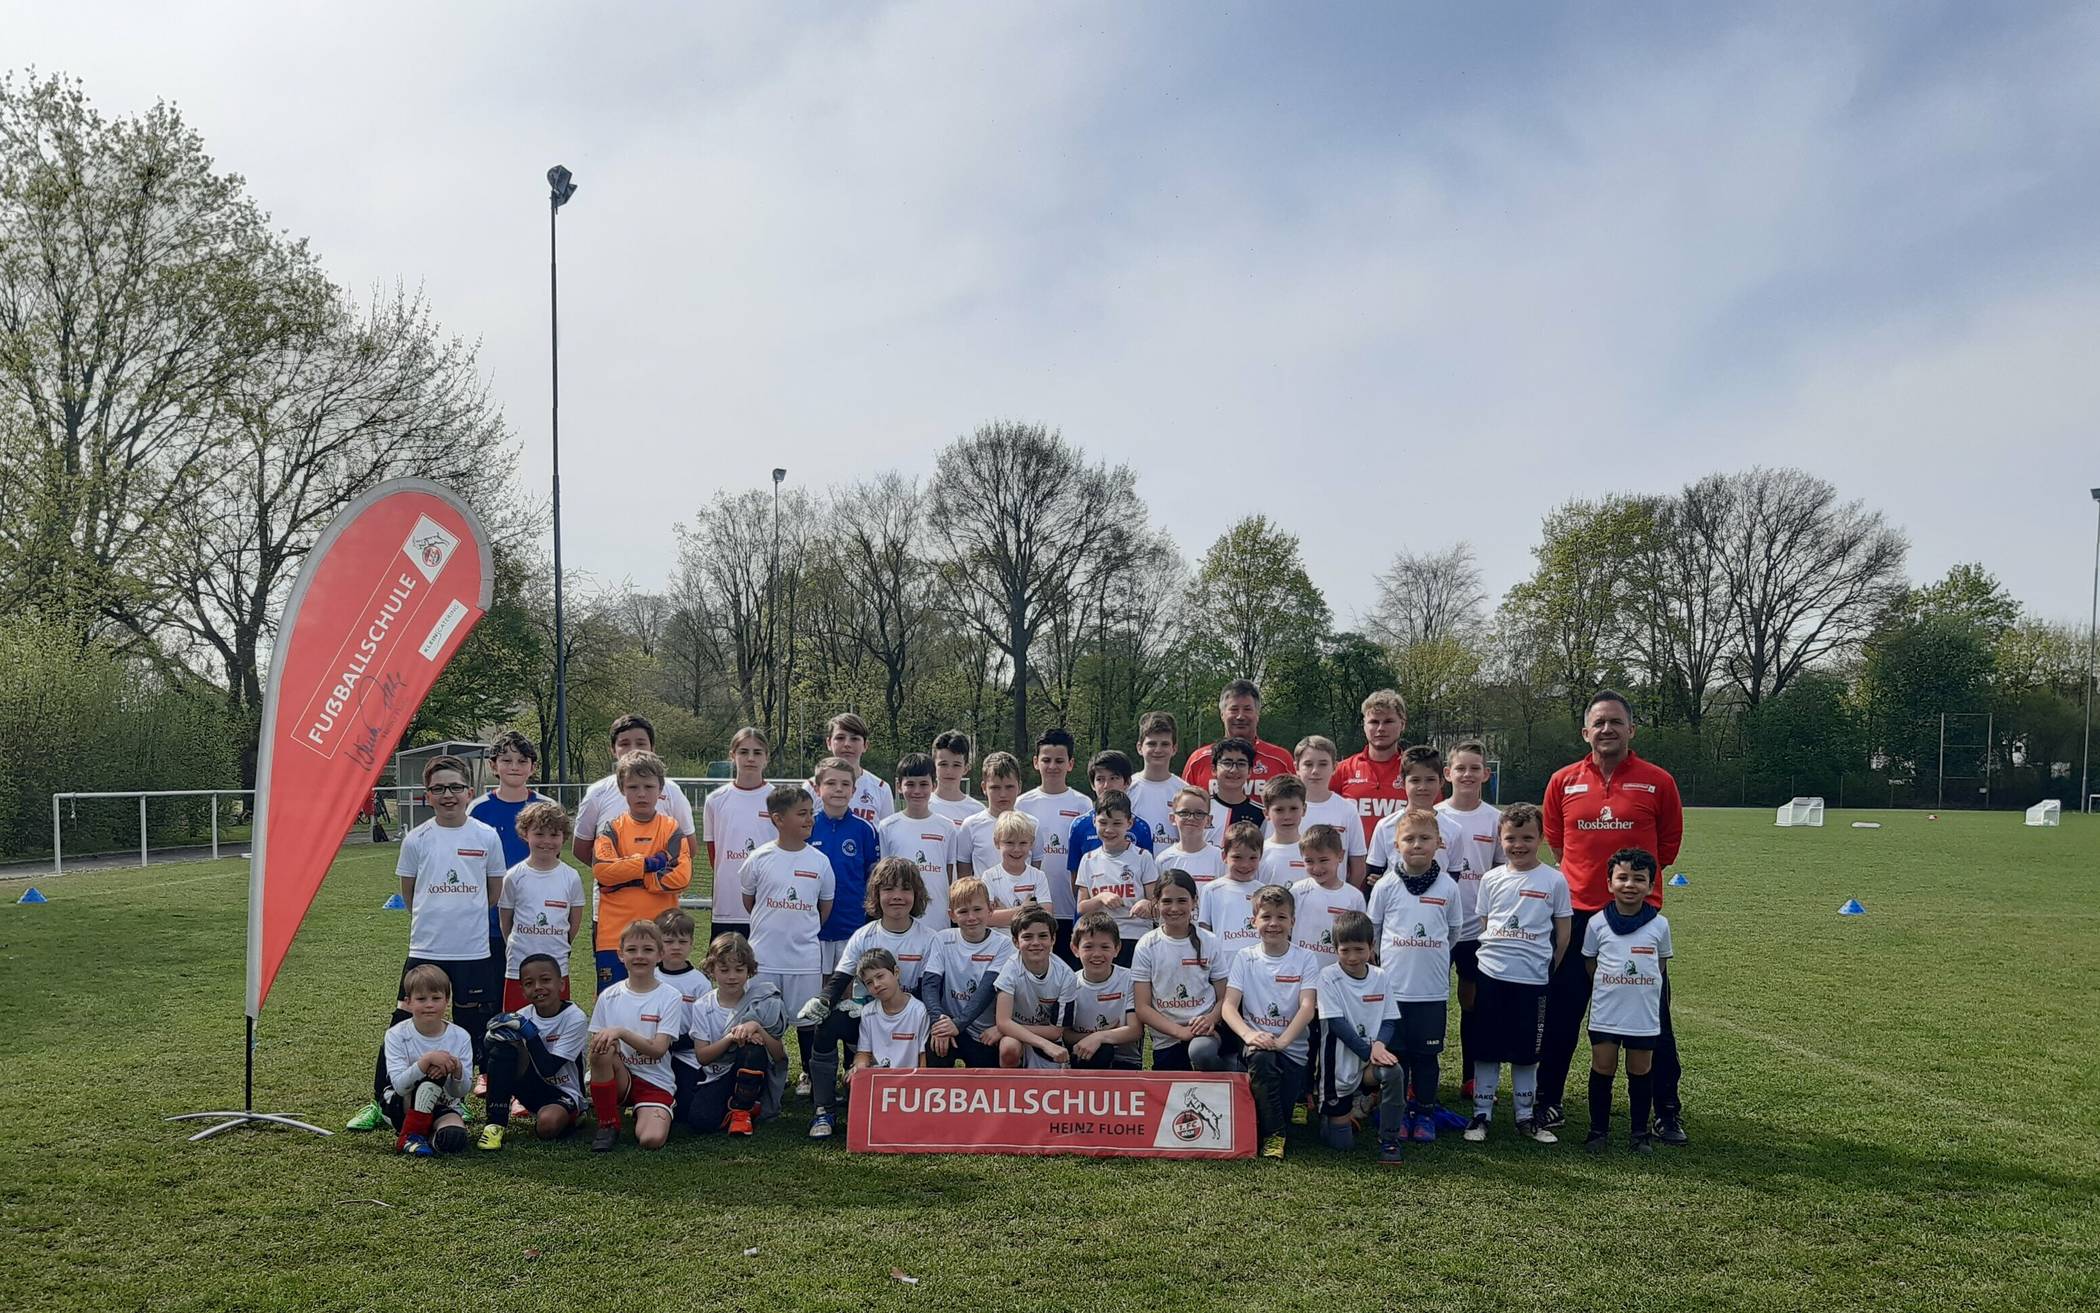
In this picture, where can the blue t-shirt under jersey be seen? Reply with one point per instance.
(502, 817)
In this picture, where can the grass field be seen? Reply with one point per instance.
(1891, 1111)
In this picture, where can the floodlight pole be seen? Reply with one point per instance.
(2092, 670)
(560, 188)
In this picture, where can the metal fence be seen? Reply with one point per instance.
(60, 801)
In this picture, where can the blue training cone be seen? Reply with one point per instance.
(393, 903)
(1678, 881)
(1852, 908)
(32, 895)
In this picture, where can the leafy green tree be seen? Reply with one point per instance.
(1258, 598)
(138, 288)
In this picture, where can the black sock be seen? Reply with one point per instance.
(1637, 1092)
(1600, 1104)
(803, 1035)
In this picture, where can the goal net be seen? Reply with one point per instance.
(1802, 811)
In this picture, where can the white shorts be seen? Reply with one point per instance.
(796, 988)
(828, 951)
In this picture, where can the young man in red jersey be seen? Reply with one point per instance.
(1608, 801)
(1372, 778)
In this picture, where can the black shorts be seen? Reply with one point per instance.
(1465, 960)
(1510, 1021)
(1637, 1043)
(726, 926)
(1422, 1027)
(477, 982)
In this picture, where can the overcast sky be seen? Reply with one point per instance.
(1392, 275)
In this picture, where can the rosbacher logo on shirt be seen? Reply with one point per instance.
(1605, 821)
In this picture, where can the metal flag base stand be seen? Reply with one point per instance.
(229, 1118)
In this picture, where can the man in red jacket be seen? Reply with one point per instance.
(1609, 800)
(1239, 706)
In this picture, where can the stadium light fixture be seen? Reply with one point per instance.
(2092, 671)
(561, 185)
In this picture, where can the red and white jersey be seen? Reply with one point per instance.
(1010, 890)
(1269, 759)
(1415, 935)
(1341, 813)
(1281, 863)
(736, 823)
(931, 843)
(658, 1010)
(1318, 906)
(786, 888)
(1273, 988)
(1203, 865)
(545, 907)
(1183, 975)
(1152, 801)
(895, 1039)
(1127, 875)
(1054, 814)
(455, 868)
(1374, 786)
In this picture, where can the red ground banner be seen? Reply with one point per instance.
(1142, 1114)
(382, 602)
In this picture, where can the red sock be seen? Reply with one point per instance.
(414, 1123)
(605, 1102)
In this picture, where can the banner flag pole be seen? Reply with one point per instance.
(382, 603)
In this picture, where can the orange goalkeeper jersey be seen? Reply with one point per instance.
(627, 890)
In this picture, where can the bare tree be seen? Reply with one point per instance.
(1424, 597)
(1807, 575)
(1689, 598)
(880, 529)
(726, 585)
(1031, 527)
(372, 395)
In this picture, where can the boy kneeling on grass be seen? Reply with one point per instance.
(533, 1056)
(429, 1068)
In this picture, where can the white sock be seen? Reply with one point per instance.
(1485, 1075)
(1524, 1088)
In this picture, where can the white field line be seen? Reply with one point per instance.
(1910, 1090)
(147, 888)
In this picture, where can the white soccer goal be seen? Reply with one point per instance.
(1802, 811)
(2046, 812)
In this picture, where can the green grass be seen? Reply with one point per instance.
(1891, 1111)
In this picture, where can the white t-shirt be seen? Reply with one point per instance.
(1626, 994)
(1270, 988)
(895, 1039)
(1183, 982)
(1361, 1005)
(405, 1046)
(872, 800)
(706, 1022)
(453, 868)
(1054, 814)
(1152, 801)
(1341, 813)
(974, 843)
(1016, 890)
(959, 810)
(965, 968)
(565, 1033)
(1204, 865)
(603, 801)
(913, 949)
(690, 983)
(1313, 930)
(1038, 1000)
(931, 844)
(1517, 910)
(788, 886)
(542, 906)
(1104, 1006)
(1227, 907)
(1385, 848)
(1481, 852)
(660, 1010)
(1415, 934)
(737, 824)
(1281, 863)
(1127, 875)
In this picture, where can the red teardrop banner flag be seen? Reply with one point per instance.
(382, 602)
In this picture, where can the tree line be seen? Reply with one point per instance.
(186, 400)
